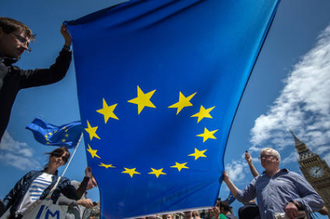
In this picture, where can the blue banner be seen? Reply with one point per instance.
(67, 135)
(159, 83)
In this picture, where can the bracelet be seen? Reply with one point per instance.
(67, 47)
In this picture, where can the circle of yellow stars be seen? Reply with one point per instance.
(144, 100)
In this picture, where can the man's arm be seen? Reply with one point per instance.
(247, 194)
(62, 200)
(309, 200)
(83, 185)
(248, 158)
(56, 72)
(73, 193)
(71, 202)
(229, 183)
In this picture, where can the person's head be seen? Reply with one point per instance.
(270, 159)
(216, 209)
(167, 216)
(217, 203)
(58, 157)
(15, 37)
(195, 214)
(91, 183)
(224, 207)
(187, 214)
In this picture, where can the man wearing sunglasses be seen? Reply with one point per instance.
(15, 38)
(278, 190)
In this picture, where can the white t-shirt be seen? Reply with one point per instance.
(35, 190)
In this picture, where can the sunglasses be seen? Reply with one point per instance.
(65, 158)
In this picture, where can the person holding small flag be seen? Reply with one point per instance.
(36, 185)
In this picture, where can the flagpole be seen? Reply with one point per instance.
(75, 149)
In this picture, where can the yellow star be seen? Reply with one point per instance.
(107, 165)
(107, 111)
(131, 172)
(92, 131)
(207, 134)
(92, 152)
(157, 172)
(66, 135)
(142, 99)
(180, 166)
(198, 154)
(63, 140)
(183, 102)
(203, 113)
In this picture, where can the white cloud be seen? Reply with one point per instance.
(303, 105)
(17, 154)
(235, 171)
(293, 157)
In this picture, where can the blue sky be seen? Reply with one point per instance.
(288, 89)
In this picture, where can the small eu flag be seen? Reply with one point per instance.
(66, 135)
(230, 199)
(159, 83)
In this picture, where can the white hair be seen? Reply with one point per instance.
(273, 151)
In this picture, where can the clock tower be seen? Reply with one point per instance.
(315, 170)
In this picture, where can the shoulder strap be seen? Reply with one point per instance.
(54, 187)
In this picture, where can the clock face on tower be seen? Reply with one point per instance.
(316, 172)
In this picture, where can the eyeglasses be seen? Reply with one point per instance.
(266, 157)
(22, 40)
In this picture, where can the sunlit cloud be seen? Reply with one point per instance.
(235, 171)
(293, 157)
(303, 106)
(17, 154)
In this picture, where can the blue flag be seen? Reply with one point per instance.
(159, 83)
(67, 135)
(230, 199)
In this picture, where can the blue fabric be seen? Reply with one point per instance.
(188, 62)
(66, 135)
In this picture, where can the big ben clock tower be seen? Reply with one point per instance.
(315, 170)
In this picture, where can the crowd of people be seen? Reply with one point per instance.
(277, 191)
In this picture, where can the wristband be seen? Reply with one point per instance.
(67, 47)
(296, 204)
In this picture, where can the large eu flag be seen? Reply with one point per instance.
(159, 83)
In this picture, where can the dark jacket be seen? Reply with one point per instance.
(16, 195)
(13, 79)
